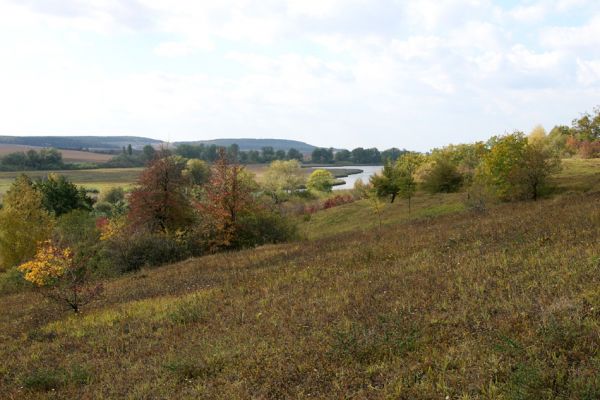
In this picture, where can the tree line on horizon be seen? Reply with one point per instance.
(581, 139)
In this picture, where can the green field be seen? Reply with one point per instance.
(99, 179)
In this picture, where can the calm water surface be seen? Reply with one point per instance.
(368, 171)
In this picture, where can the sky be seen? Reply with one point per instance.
(340, 73)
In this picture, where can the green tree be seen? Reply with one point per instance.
(443, 177)
(587, 127)
(392, 154)
(59, 195)
(530, 177)
(387, 184)
(23, 223)
(294, 154)
(283, 178)
(267, 154)
(320, 180)
(516, 169)
(280, 155)
(506, 152)
(322, 156)
(113, 195)
(149, 153)
(343, 155)
(557, 140)
(197, 171)
(112, 202)
(406, 167)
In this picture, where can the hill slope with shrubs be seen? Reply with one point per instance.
(502, 304)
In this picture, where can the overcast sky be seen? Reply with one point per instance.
(342, 73)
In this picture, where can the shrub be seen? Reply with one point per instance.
(44, 380)
(337, 201)
(262, 227)
(11, 281)
(443, 177)
(61, 276)
(78, 229)
(146, 250)
(104, 208)
(361, 190)
(320, 180)
(60, 196)
(113, 195)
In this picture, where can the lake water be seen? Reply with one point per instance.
(368, 171)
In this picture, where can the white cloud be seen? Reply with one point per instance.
(572, 37)
(588, 72)
(529, 13)
(525, 59)
(334, 72)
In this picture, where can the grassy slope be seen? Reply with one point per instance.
(576, 176)
(501, 305)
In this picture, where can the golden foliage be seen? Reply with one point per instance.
(112, 228)
(49, 264)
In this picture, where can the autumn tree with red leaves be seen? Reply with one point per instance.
(227, 194)
(159, 204)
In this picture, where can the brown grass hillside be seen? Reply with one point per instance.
(496, 305)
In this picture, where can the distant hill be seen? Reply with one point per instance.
(257, 144)
(107, 143)
(80, 142)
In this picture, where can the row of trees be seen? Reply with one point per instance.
(44, 159)
(357, 156)
(581, 139)
(509, 167)
(211, 153)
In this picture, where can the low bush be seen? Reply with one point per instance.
(337, 201)
(45, 380)
(263, 227)
(146, 250)
(11, 281)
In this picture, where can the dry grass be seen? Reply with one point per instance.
(501, 305)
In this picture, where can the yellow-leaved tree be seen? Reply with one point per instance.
(60, 277)
(23, 223)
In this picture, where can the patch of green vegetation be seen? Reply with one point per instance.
(360, 215)
(578, 175)
(99, 179)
